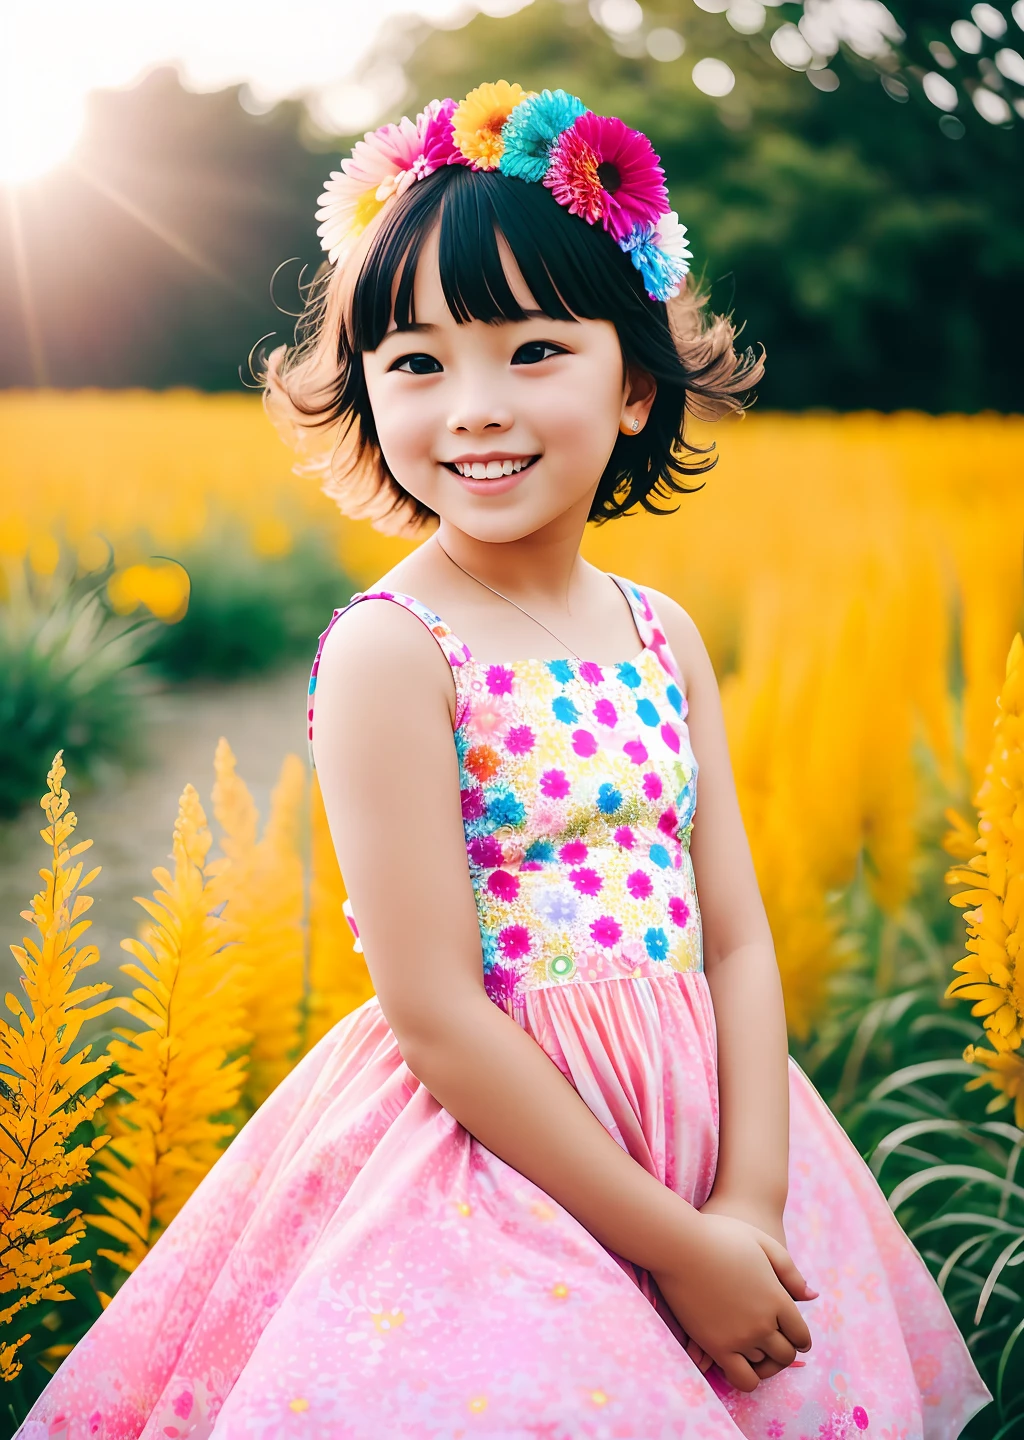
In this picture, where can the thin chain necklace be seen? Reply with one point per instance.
(507, 598)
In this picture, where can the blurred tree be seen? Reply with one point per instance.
(147, 259)
(879, 261)
(879, 258)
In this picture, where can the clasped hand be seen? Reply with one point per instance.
(735, 1297)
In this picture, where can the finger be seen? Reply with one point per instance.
(785, 1268)
(700, 1358)
(777, 1349)
(739, 1372)
(794, 1326)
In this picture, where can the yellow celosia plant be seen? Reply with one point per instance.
(338, 978)
(49, 1085)
(991, 974)
(183, 1067)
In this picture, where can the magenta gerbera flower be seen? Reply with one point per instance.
(603, 170)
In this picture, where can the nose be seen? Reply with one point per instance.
(478, 411)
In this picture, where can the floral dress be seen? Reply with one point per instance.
(358, 1267)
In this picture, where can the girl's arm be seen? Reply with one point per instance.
(389, 774)
(739, 960)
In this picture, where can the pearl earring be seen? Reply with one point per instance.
(629, 427)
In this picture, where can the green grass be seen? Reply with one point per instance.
(247, 613)
(68, 680)
(887, 1059)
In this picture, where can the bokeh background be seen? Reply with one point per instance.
(850, 175)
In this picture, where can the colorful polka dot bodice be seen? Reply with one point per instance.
(578, 794)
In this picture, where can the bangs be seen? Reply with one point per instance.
(575, 276)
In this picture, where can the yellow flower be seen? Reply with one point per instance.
(181, 1071)
(989, 973)
(51, 1082)
(1006, 1074)
(478, 121)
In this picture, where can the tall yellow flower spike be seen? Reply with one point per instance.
(338, 978)
(992, 973)
(269, 912)
(47, 1089)
(477, 122)
(182, 1068)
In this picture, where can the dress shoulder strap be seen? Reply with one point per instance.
(649, 627)
(455, 651)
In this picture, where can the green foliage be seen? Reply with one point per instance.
(247, 612)
(878, 261)
(886, 1061)
(67, 681)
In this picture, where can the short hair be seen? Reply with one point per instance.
(316, 389)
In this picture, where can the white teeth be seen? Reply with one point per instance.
(492, 470)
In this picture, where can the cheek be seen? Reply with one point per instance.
(405, 424)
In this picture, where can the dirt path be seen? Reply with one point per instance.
(131, 820)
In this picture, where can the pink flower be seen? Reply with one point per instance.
(584, 744)
(624, 836)
(775, 1429)
(519, 740)
(652, 786)
(503, 885)
(499, 680)
(485, 851)
(604, 713)
(586, 881)
(384, 163)
(670, 735)
(668, 821)
(554, 784)
(602, 170)
(678, 910)
(639, 885)
(473, 804)
(573, 853)
(636, 750)
(183, 1404)
(606, 931)
(514, 941)
(502, 985)
(590, 672)
(860, 1417)
(489, 717)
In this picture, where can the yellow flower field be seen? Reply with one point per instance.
(857, 579)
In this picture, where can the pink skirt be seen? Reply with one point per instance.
(357, 1267)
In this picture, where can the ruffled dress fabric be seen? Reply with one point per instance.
(357, 1266)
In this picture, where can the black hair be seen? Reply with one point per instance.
(573, 270)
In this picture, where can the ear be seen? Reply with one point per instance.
(638, 392)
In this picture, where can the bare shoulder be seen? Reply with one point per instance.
(683, 637)
(382, 650)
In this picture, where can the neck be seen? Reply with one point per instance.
(541, 566)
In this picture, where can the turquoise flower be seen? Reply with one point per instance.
(609, 799)
(504, 807)
(656, 942)
(659, 252)
(561, 670)
(531, 130)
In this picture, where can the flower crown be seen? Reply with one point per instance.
(594, 165)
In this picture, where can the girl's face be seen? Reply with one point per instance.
(500, 429)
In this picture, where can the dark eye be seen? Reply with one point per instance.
(417, 365)
(536, 351)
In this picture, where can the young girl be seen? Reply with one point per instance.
(557, 1179)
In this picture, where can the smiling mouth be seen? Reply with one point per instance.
(489, 469)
